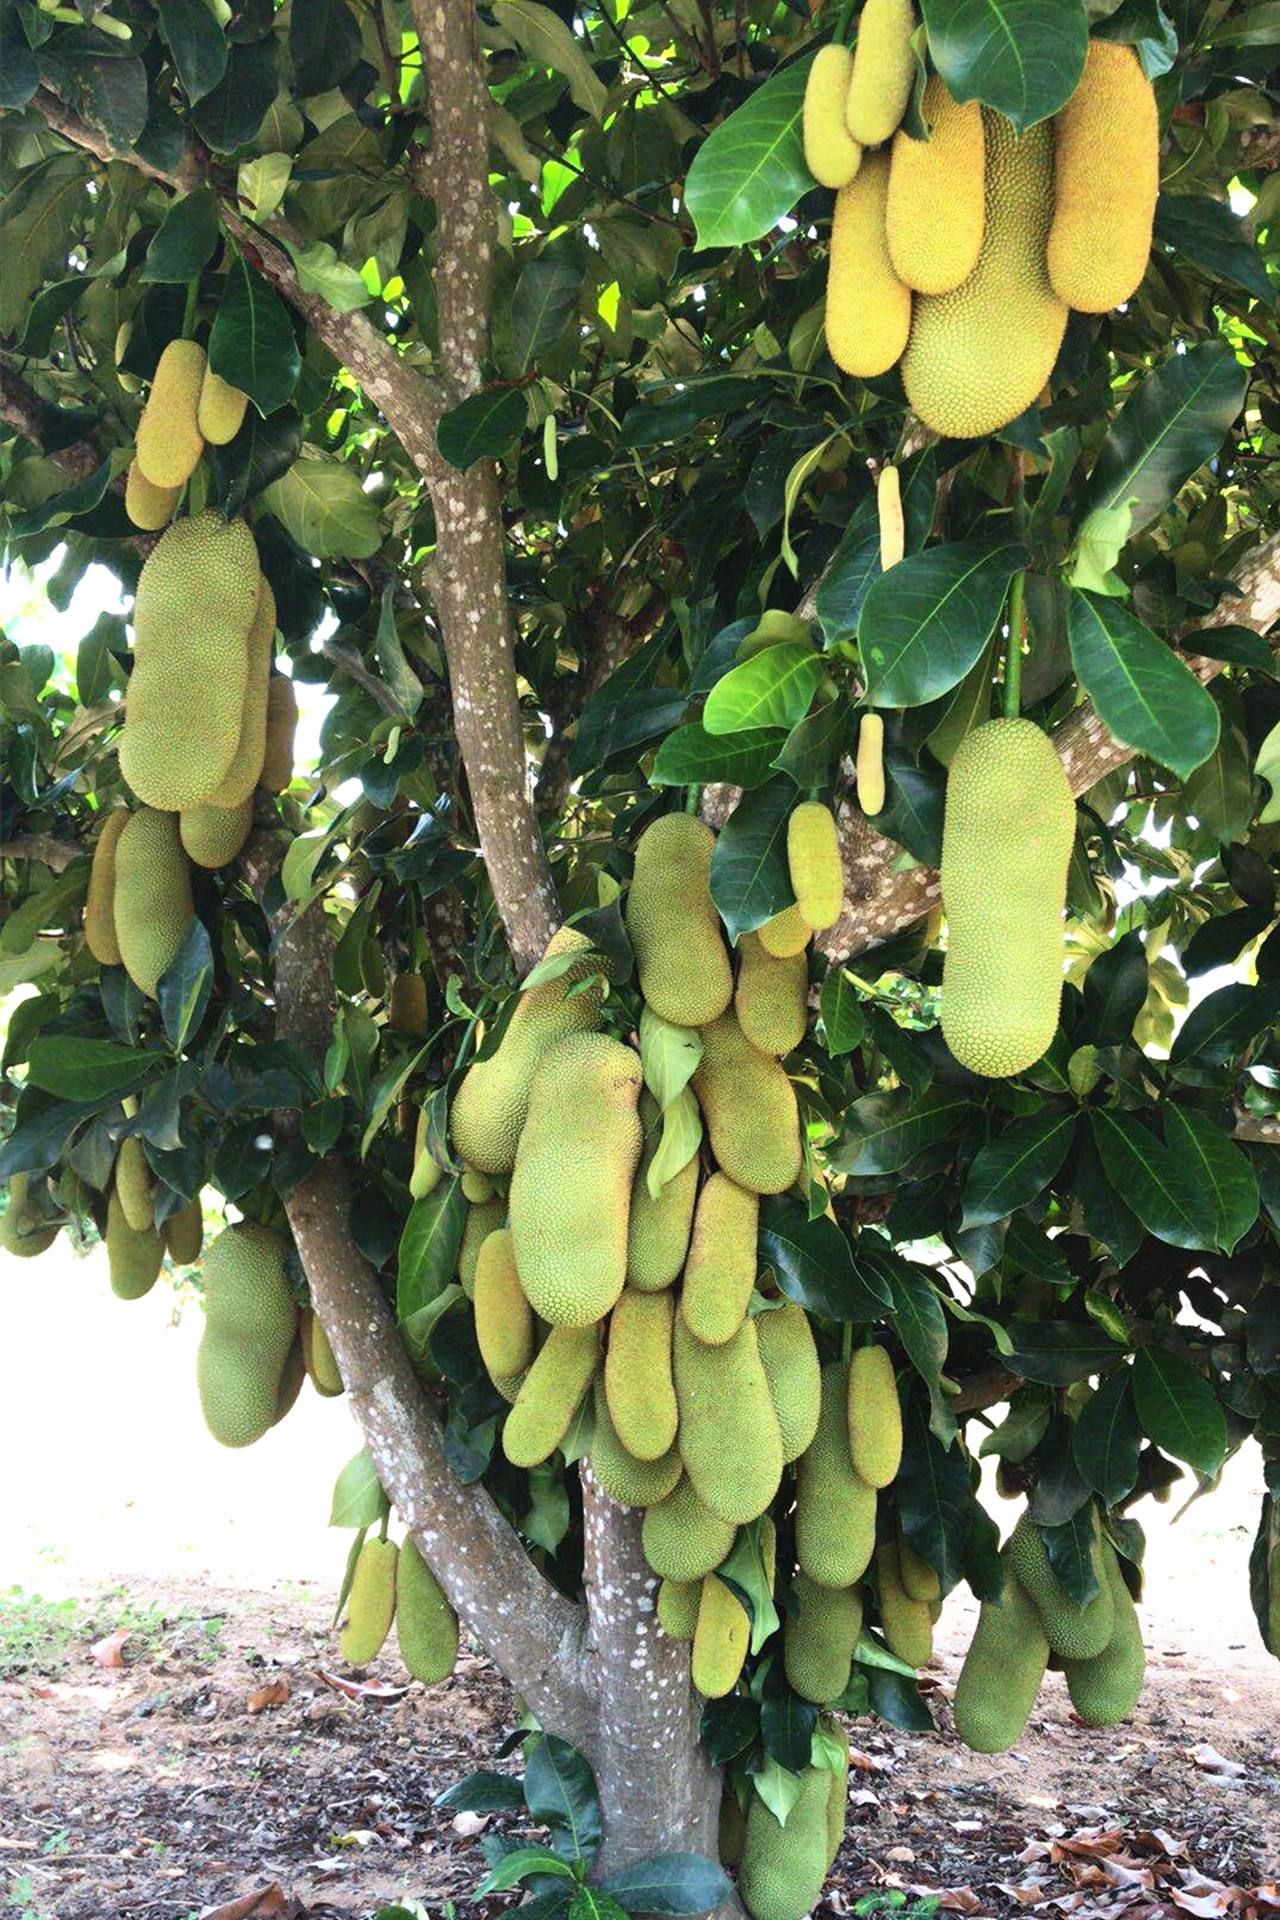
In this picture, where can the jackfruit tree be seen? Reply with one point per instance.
(642, 757)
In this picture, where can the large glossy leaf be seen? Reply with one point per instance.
(1179, 1409)
(1172, 422)
(560, 1792)
(691, 756)
(1225, 1022)
(1023, 57)
(750, 880)
(1016, 1166)
(925, 622)
(1210, 235)
(252, 343)
(1226, 1185)
(1054, 1353)
(75, 1067)
(1106, 1436)
(772, 688)
(1115, 991)
(675, 1883)
(1192, 1189)
(884, 1131)
(482, 426)
(815, 1265)
(197, 43)
(751, 170)
(429, 1246)
(322, 505)
(1144, 694)
(935, 1499)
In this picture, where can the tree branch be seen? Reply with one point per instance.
(22, 409)
(611, 640)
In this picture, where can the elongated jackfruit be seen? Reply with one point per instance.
(673, 926)
(720, 1639)
(907, 1625)
(818, 1640)
(783, 1868)
(936, 213)
(1002, 1670)
(481, 1221)
(371, 1603)
(221, 409)
(427, 1172)
(658, 1230)
(134, 1256)
(153, 905)
(677, 1608)
(100, 902)
(729, 1437)
(1075, 1632)
(813, 860)
(213, 836)
(637, 1373)
(893, 523)
(282, 722)
(978, 356)
(868, 313)
(551, 1393)
(1105, 1689)
(23, 1230)
(250, 1323)
(1008, 830)
(870, 764)
(682, 1538)
(504, 1318)
(134, 1184)
(149, 507)
(631, 1482)
(1106, 177)
(571, 1190)
(318, 1357)
(197, 596)
(771, 998)
(492, 1102)
(184, 1233)
(883, 70)
(918, 1578)
(169, 441)
(831, 153)
(426, 1625)
(835, 1508)
(786, 934)
(750, 1109)
(720, 1272)
(875, 1418)
(242, 776)
(407, 1007)
(789, 1356)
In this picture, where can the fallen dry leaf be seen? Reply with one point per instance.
(268, 1903)
(378, 1691)
(273, 1694)
(1209, 1760)
(867, 1762)
(468, 1825)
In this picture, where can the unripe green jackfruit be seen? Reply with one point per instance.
(169, 441)
(100, 903)
(134, 1184)
(213, 836)
(221, 409)
(1074, 1632)
(813, 860)
(148, 507)
(771, 998)
(720, 1639)
(631, 1482)
(788, 933)
(318, 1357)
(1106, 177)
(371, 1603)
(789, 1356)
(907, 1624)
(831, 153)
(1008, 830)
(492, 1101)
(134, 1258)
(868, 314)
(504, 1318)
(282, 722)
(682, 1538)
(818, 1640)
(875, 1418)
(720, 1272)
(153, 905)
(750, 1109)
(1105, 1689)
(1002, 1670)
(658, 1230)
(835, 1508)
(884, 67)
(783, 1868)
(22, 1231)
(242, 776)
(677, 1608)
(936, 213)
(918, 1577)
(550, 1395)
(481, 1221)
(407, 1007)
(637, 1373)
(250, 1323)
(426, 1625)
(729, 1437)
(570, 1193)
(673, 926)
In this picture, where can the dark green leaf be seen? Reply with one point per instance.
(544, 301)
(324, 44)
(691, 757)
(522, 1863)
(898, 1701)
(560, 1792)
(64, 506)
(75, 1068)
(843, 1021)
(251, 343)
(50, 306)
(854, 569)
(915, 796)
(676, 1883)
(917, 1310)
(429, 1246)
(1145, 695)
(1219, 1173)
(1211, 236)
(1173, 421)
(260, 454)
(651, 422)
(1179, 1409)
(1115, 991)
(751, 171)
(482, 1792)
(1225, 1022)
(198, 47)
(885, 1131)
(772, 688)
(925, 622)
(189, 232)
(1157, 1185)
(358, 1499)
(1106, 1438)
(1069, 1550)
(482, 427)
(750, 879)
(1056, 1353)
(812, 744)
(1239, 646)
(815, 1267)
(186, 984)
(1023, 57)
(1220, 941)
(1016, 1166)
(728, 1727)
(936, 1505)
(230, 116)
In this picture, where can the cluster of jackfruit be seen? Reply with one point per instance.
(1098, 1645)
(393, 1584)
(960, 255)
(189, 405)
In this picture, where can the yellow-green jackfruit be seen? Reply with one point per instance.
(134, 1257)
(870, 764)
(788, 933)
(875, 1418)
(631, 1482)
(221, 409)
(682, 1538)
(750, 1109)
(153, 905)
(783, 1868)
(250, 1322)
(720, 1639)
(838, 1794)
(318, 1357)
(1105, 1689)
(978, 356)
(504, 1318)
(371, 1603)
(184, 1233)
(907, 1624)
(477, 1187)
(407, 1007)
(1002, 1670)
(835, 1508)
(720, 1271)
(100, 902)
(893, 524)
(571, 1190)
(831, 153)
(426, 1625)
(813, 860)
(637, 1373)
(884, 67)
(23, 1231)
(1008, 830)
(677, 1608)
(242, 776)
(673, 926)
(550, 1395)
(148, 507)
(1074, 1632)
(1106, 176)
(169, 441)
(427, 1172)
(729, 1437)
(492, 1102)
(480, 1222)
(282, 722)
(936, 215)
(771, 998)
(789, 1356)
(868, 314)
(818, 1640)
(213, 836)
(134, 1184)
(658, 1230)
(918, 1577)
(197, 596)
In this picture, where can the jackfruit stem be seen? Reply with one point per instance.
(1013, 656)
(692, 798)
(844, 20)
(189, 311)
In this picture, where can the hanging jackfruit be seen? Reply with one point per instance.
(893, 522)
(682, 1538)
(637, 1373)
(100, 902)
(868, 314)
(750, 1109)
(148, 507)
(23, 1230)
(1075, 1632)
(213, 836)
(813, 860)
(1008, 830)
(242, 776)
(490, 1105)
(835, 1508)
(819, 1639)
(870, 764)
(571, 1190)
(789, 1356)
(282, 721)
(918, 1578)
(719, 1640)
(673, 926)
(729, 1437)
(481, 1221)
(134, 1184)
(371, 1603)
(184, 1233)
(771, 998)
(786, 934)
(830, 152)
(783, 1868)
(1002, 1670)
(407, 1007)
(250, 1322)
(1104, 1690)
(221, 409)
(153, 906)
(169, 441)
(875, 1417)
(677, 1608)
(1106, 177)
(720, 1271)
(658, 1230)
(979, 356)
(504, 1319)
(134, 1257)
(550, 1395)
(884, 67)
(906, 1623)
(936, 213)
(631, 1482)
(318, 1357)
(426, 1625)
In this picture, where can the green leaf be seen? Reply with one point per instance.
(925, 622)
(53, 907)
(843, 1020)
(186, 985)
(1055, 1353)
(917, 1312)
(320, 503)
(1106, 1438)
(197, 44)
(1158, 1179)
(1174, 419)
(324, 45)
(1208, 234)
(230, 116)
(482, 1792)
(1022, 57)
(252, 342)
(429, 1246)
(589, 1903)
(681, 1138)
(1267, 767)
(83, 497)
(751, 170)
(812, 745)
(1115, 991)
(1015, 1167)
(771, 689)
(560, 1792)
(749, 1568)
(750, 880)
(1238, 646)
(674, 1883)
(75, 1068)
(188, 234)
(916, 799)
(786, 1721)
(49, 307)
(358, 1499)
(814, 1264)
(396, 671)
(1225, 1022)
(542, 305)
(883, 1132)
(483, 426)
(1143, 693)
(669, 1056)
(522, 1863)
(935, 1500)
(543, 37)
(321, 272)
(1179, 1409)
(692, 757)
(1222, 1177)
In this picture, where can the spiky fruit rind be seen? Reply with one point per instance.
(906, 1622)
(169, 442)
(783, 1868)
(819, 1638)
(213, 836)
(637, 1373)
(242, 776)
(1105, 1689)
(1002, 1670)
(407, 1007)
(318, 1357)
(482, 1220)
(835, 1508)
(22, 1232)
(100, 902)
(884, 67)
(134, 1184)
(153, 905)
(831, 153)
(504, 1318)
(1074, 1632)
(875, 1417)
(682, 1538)
(677, 1608)
(250, 1323)
(134, 1258)
(918, 1577)
(550, 1395)
(868, 313)
(789, 1356)
(720, 1639)
(813, 861)
(426, 1625)
(371, 1603)
(729, 1437)
(936, 211)
(184, 1233)
(720, 1271)
(631, 1482)
(1106, 178)
(787, 934)
(149, 507)
(750, 1109)
(771, 998)
(673, 926)
(658, 1230)
(282, 722)
(221, 409)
